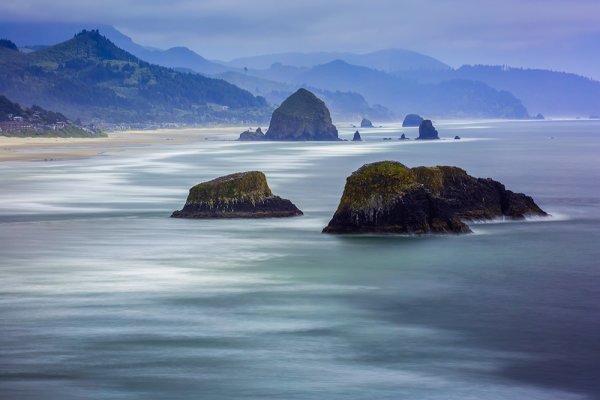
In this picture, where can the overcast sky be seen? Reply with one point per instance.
(558, 34)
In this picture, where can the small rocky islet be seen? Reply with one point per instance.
(366, 123)
(239, 195)
(389, 197)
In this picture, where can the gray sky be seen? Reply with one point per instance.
(557, 34)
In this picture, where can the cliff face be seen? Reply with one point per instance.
(302, 116)
(389, 197)
(240, 195)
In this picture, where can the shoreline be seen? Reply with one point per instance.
(55, 149)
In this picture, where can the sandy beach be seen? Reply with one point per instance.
(49, 149)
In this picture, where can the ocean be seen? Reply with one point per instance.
(103, 296)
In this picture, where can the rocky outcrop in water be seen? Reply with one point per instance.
(357, 137)
(365, 123)
(302, 116)
(403, 137)
(427, 131)
(456, 137)
(388, 197)
(412, 120)
(250, 135)
(241, 195)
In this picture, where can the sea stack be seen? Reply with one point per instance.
(365, 123)
(412, 120)
(250, 135)
(302, 116)
(403, 137)
(389, 197)
(427, 131)
(240, 195)
(357, 137)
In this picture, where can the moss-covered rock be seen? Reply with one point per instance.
(302, 116)
(389, 197)
(240, 195)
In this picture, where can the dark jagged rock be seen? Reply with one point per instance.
(427, 131)
(302, 116)
(388, 197)
(412, 120)
(357, 137)
(365, 123)
(241, 195)
(249, 135)
(456, 137)
(403, 137)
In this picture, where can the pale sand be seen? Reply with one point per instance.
(48, 149)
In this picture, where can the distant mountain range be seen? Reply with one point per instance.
(397, 82)
(89, 77)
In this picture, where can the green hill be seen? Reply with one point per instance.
(88, 77)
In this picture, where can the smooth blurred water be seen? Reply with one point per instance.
(104, 296)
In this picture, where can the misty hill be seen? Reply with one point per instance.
(542, 91)
(391, 61)
(31, 35)
(344, 106)
(89, 77)
(452, 98)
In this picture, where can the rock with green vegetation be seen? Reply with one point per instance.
(389, 197)
(357, 137)
(427, 131)
(252, 136)
(302, 116)
(412, 120)
(240, 195)
(365, 123)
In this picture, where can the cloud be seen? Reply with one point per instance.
(231, 28)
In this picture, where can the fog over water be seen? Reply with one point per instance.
(104, 296)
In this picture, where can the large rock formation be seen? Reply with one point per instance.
(412, 120)
(249, 135)
(389, 197)
(241, 195)
(427, 131)
(302, 116)
(365, 123)
(357, 137)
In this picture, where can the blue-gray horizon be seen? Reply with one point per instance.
(532, 34)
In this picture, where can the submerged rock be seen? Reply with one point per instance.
(240, 195)
(389, 197)
(412, 120)
(249, 135)
(302, 116)
(357, 137)
(365, 123)
(427, 131)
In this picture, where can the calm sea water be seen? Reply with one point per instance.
(103, 296)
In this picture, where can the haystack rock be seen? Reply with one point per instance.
(240, 195)
(389, 197)
(302, 116)
(412, 120)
